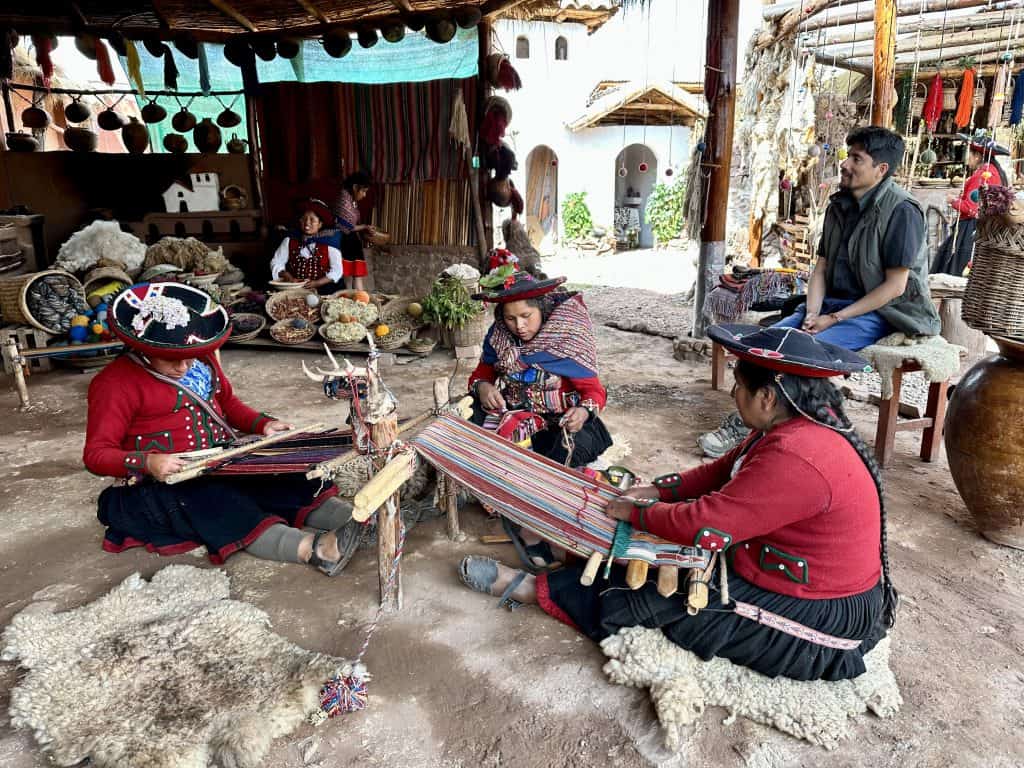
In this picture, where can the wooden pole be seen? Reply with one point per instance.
(882, 101)
(720, 90)
(754, 242)
(479, 179)
(8, 108)
(19, 371)
(905, 9)
(383, 433)
(447, 490)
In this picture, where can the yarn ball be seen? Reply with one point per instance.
(300, 323)
(78, 333)
(97, 329)
(928, 157)
(81, 320)
(786, 184)
(313, 300)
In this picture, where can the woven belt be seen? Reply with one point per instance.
(790, 627)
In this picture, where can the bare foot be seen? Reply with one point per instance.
(526, 592)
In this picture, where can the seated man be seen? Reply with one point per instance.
(871, 274)
(168, 396)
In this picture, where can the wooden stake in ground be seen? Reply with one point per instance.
(19, 372)
(882, 101)
(447, 490)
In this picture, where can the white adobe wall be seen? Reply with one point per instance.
(556, 92)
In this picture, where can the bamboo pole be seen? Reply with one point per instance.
(911, 45)
(905, 9)
(883, 91)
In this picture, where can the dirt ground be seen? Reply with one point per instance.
(458, 683)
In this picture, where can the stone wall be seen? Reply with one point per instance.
(412, 269)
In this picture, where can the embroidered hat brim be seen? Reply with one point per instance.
(172, 321)
(788, 350)
(319, 207)
(520, 290)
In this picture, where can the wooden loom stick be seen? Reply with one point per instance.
(668, 580)
(590, 572)
(196, 468)
(383, 485)
(697, 592)
(19, 371)
(447, 490)
(636, 573)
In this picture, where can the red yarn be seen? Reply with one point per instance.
(492, 129)
(43, 45)
(103, 65)
(508, 78)
(933, 104)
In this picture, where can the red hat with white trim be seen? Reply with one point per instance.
(172, 321)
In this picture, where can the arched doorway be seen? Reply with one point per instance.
(541, 194)
(636, 172)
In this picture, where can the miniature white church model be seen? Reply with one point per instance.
(204, 194)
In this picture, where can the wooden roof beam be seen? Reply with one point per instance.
(313, 11)
(910, 25)
(930, 43)
(983, 53)
(232, 13)
(402, 5)
(904, 9)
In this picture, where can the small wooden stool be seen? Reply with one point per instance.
(932, 422)
(718, 359)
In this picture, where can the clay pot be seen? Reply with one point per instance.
(415, 22)
(468, 18)
(237, 52)
(264, 48)
(367, 37)
(441, 30)
(393, 33)
(77, 112)
(206, 136)
(228, 119)
(237, 146)
(337, 44)
(187, 45)
(153, 112)
(288, 48)
(984, 438)
(21, 142)
(109, 120)
(80, 139)
(35, 118)
(184, 121)
(135, 136)
(176, 143)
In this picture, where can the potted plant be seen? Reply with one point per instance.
(449, 307)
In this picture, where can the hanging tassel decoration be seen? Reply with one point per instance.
(44, 45)
(933, 104)
(693, 204)
(508, 78)
(995, 107)
(966, 106)
(103, 64)
(1017, 106)
(170, 70)
(204, 71)
(134, 66)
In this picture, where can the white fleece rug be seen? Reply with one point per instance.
(682, 685)
(168, 673)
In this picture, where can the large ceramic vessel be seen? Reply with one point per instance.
(984, 438)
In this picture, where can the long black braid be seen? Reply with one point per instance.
(819, 400)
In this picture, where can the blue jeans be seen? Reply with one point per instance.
(853, 334)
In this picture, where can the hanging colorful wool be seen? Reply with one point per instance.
(1017, 106)
(966, 105)
(103, 65)
(134, 67)
(933, 104)
(995, 107)
(508, 78)
(345, 692)
(44, 45)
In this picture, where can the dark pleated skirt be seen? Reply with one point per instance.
(588, 444)
(224, 514)
(608, 606)
(953, 262)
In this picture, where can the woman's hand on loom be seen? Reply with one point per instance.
(574, 419)
(622, 507)
(272, 427)
(489, 396)
(163, 465)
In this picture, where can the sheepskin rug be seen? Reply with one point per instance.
(168, 673)
(682, 685)
(937, 357)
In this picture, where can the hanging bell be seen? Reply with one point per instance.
(86, 45)
(928, 157)
(153, 113)
(393, 33)
(367, 37)
(76, 111)
(228, 119)
(288, 47)
(184, 121)
(154, 47)
(109, 120)
(337, 44)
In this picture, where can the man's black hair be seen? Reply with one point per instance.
(881, 144)
(359, 178)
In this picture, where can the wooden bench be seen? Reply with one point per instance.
(888, 410)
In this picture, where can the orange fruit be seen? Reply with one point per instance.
(361, 296)
(382, 330)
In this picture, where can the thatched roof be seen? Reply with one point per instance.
(592, 13)
(637, 103)
(217, 20)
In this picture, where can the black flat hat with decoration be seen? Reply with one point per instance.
(517, 286)
(788, 350)
(172, 321)
(984, 144)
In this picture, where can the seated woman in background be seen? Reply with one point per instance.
(167, 396)
(797, 508)
(537, 380)
(354, 189)
(309, 259)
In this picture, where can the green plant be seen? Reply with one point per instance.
(576, 216)
(665, 210)
(448, 304)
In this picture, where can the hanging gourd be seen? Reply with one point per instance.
(153, 112)
(76, 111)
(175, 143)
(928, 157)
(337, 44)
(187, 45)
(468, 18)
(79, 139)
(288, 47)
(393, 33)
(109, 120)
(814, 150)
(415, 22)
(228, 118)
(238, 52)
(206, 136)
(183, 121)
(35, 118)
(264, 48)
(669, 172)
(441, 31)
(367, 37)
(135, 136)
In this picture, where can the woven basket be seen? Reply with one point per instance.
(950, 89)
(277, 310)
(284, 333)
(247, 317)
(14, 292)
(394, 312)
(421, 346)
(980, 92)
(917, 101)
(994, 299)
(473, 332)
(393, 339)
(97, 277)
(343, 346)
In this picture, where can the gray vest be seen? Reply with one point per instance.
(913, 313)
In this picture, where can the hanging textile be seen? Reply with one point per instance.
(904, 94)
(995, 107)
(133, 66)
(933, 104)
(966, 105)
(204, 70)
(103, 66)
(1017, 107)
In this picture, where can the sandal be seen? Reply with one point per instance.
(348, 537)
(529, 553)
(480, 573)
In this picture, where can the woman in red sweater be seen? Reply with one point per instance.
(168, 395)
(797, 508)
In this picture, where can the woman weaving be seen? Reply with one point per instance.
(168, 395)
(797, 507)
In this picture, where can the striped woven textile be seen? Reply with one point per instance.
(295, 455)
(426, 213)
(563, 507)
